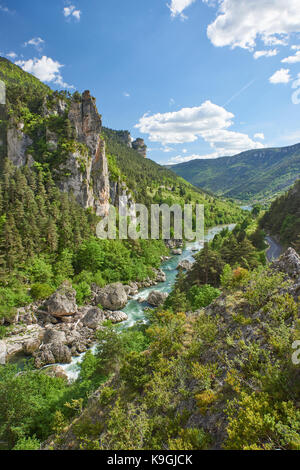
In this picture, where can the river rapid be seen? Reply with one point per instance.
(135, 308)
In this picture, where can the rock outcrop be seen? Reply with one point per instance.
(140, 146)
(85, 169)
(289, 263)
(17, 145)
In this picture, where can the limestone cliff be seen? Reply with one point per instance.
(140, 146)
(83, 167)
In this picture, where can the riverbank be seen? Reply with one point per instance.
(135, 308)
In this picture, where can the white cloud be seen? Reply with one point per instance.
(240, 23)
(281, 76)
(259, 135)
(171, 102)
(178, 6)
(5, 9)
(11, 55)
(295, 47)
(35, 42)
(126, 94)
(166, 149)
(293, 59)
(208, 121)
(72, 11)
(270, 53)
(45, 69)
(181, 159)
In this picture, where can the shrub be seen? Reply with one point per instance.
(41, 291)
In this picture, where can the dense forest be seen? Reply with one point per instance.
(283, 217)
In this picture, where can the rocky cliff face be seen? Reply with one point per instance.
(140, 146)
(88, 171)
(85, 167)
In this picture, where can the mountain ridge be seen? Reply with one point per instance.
(251, 175)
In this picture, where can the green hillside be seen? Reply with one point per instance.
(253, 175)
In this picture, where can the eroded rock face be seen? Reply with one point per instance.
(89, 179)
(62, 302)
(17, 145)
(157, 298)
(140, 146)
(85, 170)
(112, 297)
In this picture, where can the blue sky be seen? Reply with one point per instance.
(194, 78)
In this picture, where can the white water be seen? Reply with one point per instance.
(135, 309)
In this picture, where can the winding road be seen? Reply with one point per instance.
(274, 250)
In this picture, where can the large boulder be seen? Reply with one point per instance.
(157, 298)
(54, 336)
(56, 371)
(112, 297)
(63, 302)
(160, 276)
(52, 353)
(29, 347)
(93, 318)
(184, 265)
(177, 251)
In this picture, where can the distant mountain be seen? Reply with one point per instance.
(249, 176)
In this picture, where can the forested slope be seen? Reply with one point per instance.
(249, 176)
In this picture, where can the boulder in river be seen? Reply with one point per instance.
(157, 298)
(112, 297)
(52, 353)
(63, 302)
(177, 251)
(56, 371)
(185, 265)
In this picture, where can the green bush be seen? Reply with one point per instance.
(40, 291)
